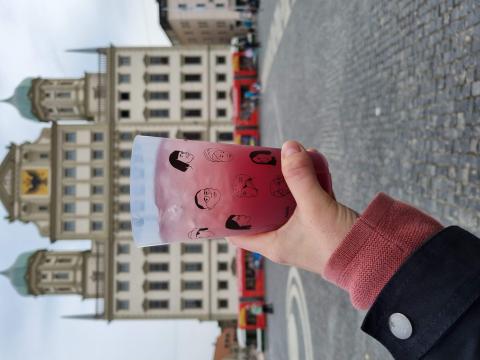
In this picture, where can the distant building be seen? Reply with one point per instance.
(73, 182)
(189, 22)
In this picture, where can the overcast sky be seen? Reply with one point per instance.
(34, 35)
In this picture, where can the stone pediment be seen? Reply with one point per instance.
(7, 181)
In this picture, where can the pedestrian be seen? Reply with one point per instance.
(419, 281)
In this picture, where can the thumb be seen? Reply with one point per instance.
(301, 178)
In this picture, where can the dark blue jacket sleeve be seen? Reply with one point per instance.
(437, 290)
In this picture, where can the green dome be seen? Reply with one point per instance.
(16, 273)
(22, 101)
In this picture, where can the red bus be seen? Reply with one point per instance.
(246, 136)
(250, 275)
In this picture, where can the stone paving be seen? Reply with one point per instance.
(390, 92)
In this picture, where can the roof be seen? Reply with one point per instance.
(21, 99)
(17, 273)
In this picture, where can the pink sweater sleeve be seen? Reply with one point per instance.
(377, 245)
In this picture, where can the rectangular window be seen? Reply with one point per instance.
(125, 225)
(69, 208)
(192, 112)
(69, 226)
(222, 285)
(124, 189)
(202, 24)
(192, 285)
(222, 248)
(192, 95)
(123, 286)
(225, 136)
(124, 207)
(221, 112)
(125, 154)
(65, 110)
(156, 133)
(158, 78)
(126, 136)
(43, 156)
(62, 94)
(97, 207)
(159, 249)
(192, 135)
(97, 226)
(70, 137)
(123, 249)
(221, 95)
(69, 190)
(220, 5)
(97, 154)
(70, 155)
(97, 172)
(220, 60)
(125, 171)
(123, 78)
(201, 6)
(191, 304)
(123, 60)
(158, 60)
(61, 276)
(158, 267)
(123, 267)
(123, 96)
(192, 77)
(69, 172)
(192, 248)
(192, 266)
(182, 7)
(159, 113)
(222, 266)
(192, 60)
(158, 95)
(63, 261)
(158, 304)
(97, 189)
(221, 77)
(124, 114)
(222, 303)
(97, 137)
(123, 304)
(43, 208)
(158, 285)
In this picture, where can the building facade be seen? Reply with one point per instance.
(73, 181)
(189, 22)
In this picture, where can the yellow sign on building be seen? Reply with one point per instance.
(34, 182)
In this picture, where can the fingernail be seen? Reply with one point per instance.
(289, 148)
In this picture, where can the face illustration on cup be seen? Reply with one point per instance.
(193, 190)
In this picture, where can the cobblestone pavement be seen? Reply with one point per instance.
(390, 92)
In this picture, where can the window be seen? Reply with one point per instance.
(221, 112)
(202, 24)
(69, 208)
(158, 285)
(69, 172)
(192, 248)
(182, 6)
(125, 225)
(123, 60)
(192, 95)
(192, 60)
(221, 95)
(97, 137)
(158, 95)
(43, 156)
(97, 207)
(123, 267)
(222, 285)
(156, 133)
(158, 78)
(125, 154)
(220, 5)
(192, 266)
(70, 137)
(69, 226)
(221, 77)
(222, 248)
(220, 60)
(125, 171)
(123, 304)
(158, 304)
(97, 225)
(97, 154)
(158, 267)
(192, 135)
(192, 112)
(123, 78)
(192, 77)
(64, 261)
(65, 110)
(191, 304)
(124, 207)
(124, 114)
(222, 303)
(158, 60)
(123, 249)
(62, 94)
(97, 189)
(225, 136)
(192, 285)
(61, 275)
(69, 190)
(97, 172)
(159, 113)
(222, 266)
(123, 96)
(126, 136)
(70, 155)
(201, 6)
(43, 208)
(124, 189)
(159, 249)
(123, 286)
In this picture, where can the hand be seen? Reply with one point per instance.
(317, 226)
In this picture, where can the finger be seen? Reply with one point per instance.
(259, 243)
(312, 150)
(301, 178)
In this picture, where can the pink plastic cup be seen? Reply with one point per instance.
(183, 190)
